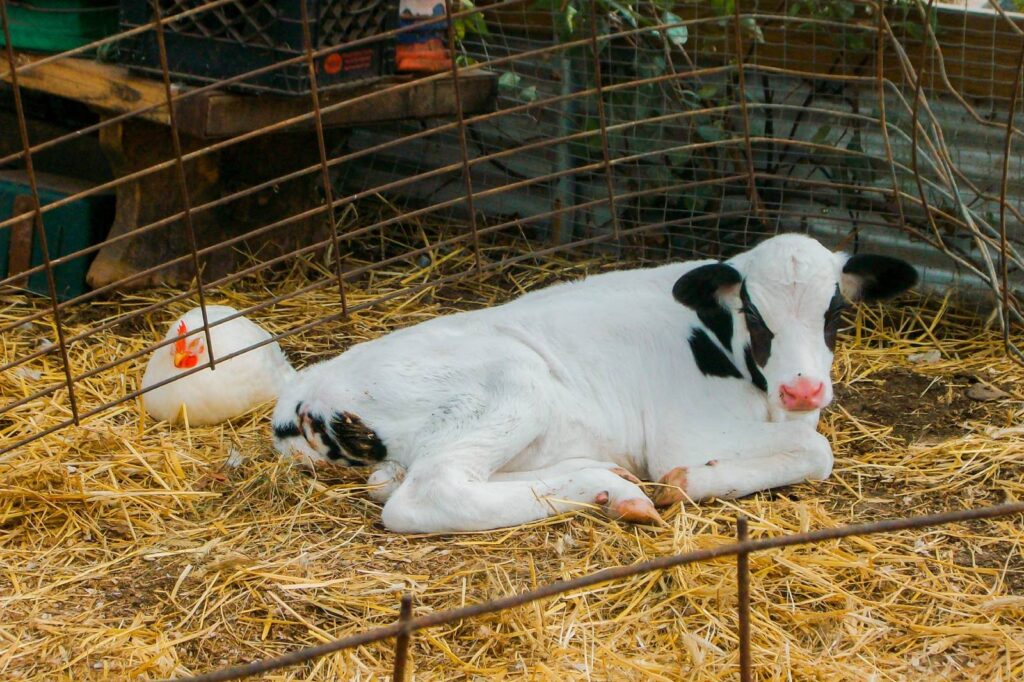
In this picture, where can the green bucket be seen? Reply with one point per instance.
(59, 25)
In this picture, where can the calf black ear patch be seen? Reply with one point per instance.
(710, 359)
(698, 290)
(358, 443)
(880, 277)
(699, 287)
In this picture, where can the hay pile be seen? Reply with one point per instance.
(130, 550)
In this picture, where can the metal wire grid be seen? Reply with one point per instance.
(625, 204)
(403, 628)
(614, 193)
(718, 205)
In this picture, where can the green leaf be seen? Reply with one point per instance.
(677, 35)
(710, 133)
(707, 91)
(570, 17)
(750, 27)
(679, 158)
(529, 94)
(627, 13)
(509, 80)
(821, 134)
(649, 67)
(722, 6)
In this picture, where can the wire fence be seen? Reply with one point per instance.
(403, 628)
(643, 131)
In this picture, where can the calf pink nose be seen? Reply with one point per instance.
(802, 394)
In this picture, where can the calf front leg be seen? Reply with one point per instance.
(442, 496)
(746, 460)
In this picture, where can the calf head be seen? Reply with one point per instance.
(774, 311)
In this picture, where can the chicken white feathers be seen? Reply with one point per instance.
(237, 384)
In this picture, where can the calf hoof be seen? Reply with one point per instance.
(385, 480)
(673, 488)
(623, 473)
(633, 510)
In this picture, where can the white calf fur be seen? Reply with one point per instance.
(507, 415)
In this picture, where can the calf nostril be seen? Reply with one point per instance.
(801, 392)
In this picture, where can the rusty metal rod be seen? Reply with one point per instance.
(37, 220)
(111, 39)
(1004, 180)
(325, 173)
(743, 598)
(463, 146)
(397, 87)
(190, 234)
(402, 640)
(217, 85)
(602, 121)
(367, 304)
(617, 573)
(265, 264)
(490, 229)
(883, 120)
(741, 80)
(286, 123)
(322, 284)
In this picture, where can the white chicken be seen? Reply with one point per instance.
(210, 396)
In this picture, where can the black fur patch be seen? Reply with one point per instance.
(881, 276)
(761, 336)
(833, 318)
(289, 430)
(699, 287)
(711, 361)
(756, 377)
(359, 443)
(719, 321)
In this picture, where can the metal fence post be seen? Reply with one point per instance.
(402, 640)
(743, 592)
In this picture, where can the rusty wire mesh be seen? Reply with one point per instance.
(406, 625)
(664, 139)
(649, 135)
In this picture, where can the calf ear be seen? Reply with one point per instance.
(700, 288)
(871, 278)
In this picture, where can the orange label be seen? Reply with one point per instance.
(358, 61)
(333, 63)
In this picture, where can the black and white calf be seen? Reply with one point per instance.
(707, 377)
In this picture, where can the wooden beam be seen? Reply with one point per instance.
(103, 86)
(227, 114)
(114, 89)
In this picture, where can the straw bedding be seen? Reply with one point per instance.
(131, 550)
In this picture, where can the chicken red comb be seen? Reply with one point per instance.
(179, 346)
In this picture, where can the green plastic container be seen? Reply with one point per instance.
(59, 25)
(70, 228)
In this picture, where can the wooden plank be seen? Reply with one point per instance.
(228, 115)
(114, 89)
(104, 86)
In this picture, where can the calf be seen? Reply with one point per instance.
(705, 376)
